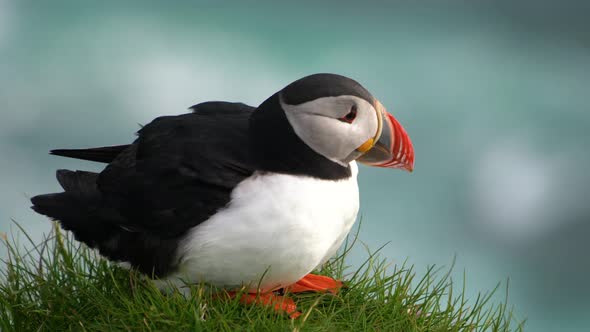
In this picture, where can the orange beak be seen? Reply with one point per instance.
(391, 146)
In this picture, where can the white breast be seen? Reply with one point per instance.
(276, 226)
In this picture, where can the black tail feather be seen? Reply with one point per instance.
(74, 208)
(49, 204)
(80, 210)
(81, 182)
(74, 214)
(104, 154)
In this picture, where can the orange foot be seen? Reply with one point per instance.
(315, 283)
(277, 302)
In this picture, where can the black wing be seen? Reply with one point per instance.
(179, 172)
(181, 169)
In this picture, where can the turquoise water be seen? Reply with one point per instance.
(494, 96)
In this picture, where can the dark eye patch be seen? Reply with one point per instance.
(350, 116)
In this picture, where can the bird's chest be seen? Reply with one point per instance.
(279, 226)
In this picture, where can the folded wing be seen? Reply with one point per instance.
(179, 171)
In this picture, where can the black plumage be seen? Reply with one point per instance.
(104, 154)
(278, 149)
(323, 85)
(178, 173)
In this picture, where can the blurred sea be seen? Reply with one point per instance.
(493, 93)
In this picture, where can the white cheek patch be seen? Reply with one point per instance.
(316, 123)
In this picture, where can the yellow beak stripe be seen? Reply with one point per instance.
(366, 146)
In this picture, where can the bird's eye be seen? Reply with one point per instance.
(350, 116)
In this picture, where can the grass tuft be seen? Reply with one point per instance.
(60, 285)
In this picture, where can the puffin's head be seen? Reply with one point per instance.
(340, 120)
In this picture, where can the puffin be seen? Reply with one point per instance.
(235, 196)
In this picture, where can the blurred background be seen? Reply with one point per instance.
(494, 95)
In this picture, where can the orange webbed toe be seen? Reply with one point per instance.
(278, 302)
(316, 283)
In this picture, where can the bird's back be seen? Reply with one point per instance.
(178, 172)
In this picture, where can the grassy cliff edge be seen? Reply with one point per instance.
(62, 285)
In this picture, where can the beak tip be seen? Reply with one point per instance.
(410, 165)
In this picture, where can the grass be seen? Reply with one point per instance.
(61, 285)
